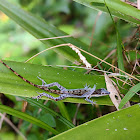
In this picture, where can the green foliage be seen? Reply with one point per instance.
(130, 94)
(41, 29)
(13, 85)
(116, 125)
(47, 110)
(27, 118)
(116, 7)
(68, 17)
(119, 44)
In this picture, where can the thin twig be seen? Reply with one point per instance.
(56, 37)
(2, 118)
(73, 47)
(138, 4)
(69, 44)
(13, 126)
(109, 64)
(46, 50)
(75, 115)
(93, 29)
(113, 51)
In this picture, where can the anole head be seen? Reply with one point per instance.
(100, 92)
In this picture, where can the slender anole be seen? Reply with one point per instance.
(86, 92)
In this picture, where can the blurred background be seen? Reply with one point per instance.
(91, 26)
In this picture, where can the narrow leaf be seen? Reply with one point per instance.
(63, 110)
(129, 95)
(27, 117)
(48, 110)
(13, 85)
(41, 29)
(118, 8)
(119, 44)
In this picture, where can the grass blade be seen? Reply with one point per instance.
(119, 43)
(28, 118)
(129, 95)
(63, 110)
(118, 8)
(53, 113)
(41, 29)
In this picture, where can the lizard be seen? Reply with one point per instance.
(85, 92)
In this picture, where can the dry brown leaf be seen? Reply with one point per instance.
(114, 95)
